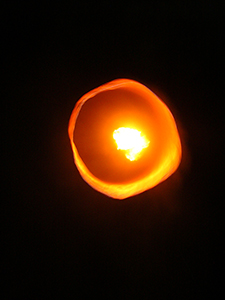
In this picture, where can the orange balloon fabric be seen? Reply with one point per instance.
(127, 107)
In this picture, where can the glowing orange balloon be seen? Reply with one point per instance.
(124, 139)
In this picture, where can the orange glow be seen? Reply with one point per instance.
(124, 139)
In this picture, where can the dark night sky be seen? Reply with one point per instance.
(63, 237)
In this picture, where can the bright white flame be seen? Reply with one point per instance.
(130, 140)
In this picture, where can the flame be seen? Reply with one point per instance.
(131, 140)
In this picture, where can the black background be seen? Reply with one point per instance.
(64, 238)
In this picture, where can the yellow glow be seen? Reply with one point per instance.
(131, 140)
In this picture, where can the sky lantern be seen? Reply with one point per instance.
(124, 139)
